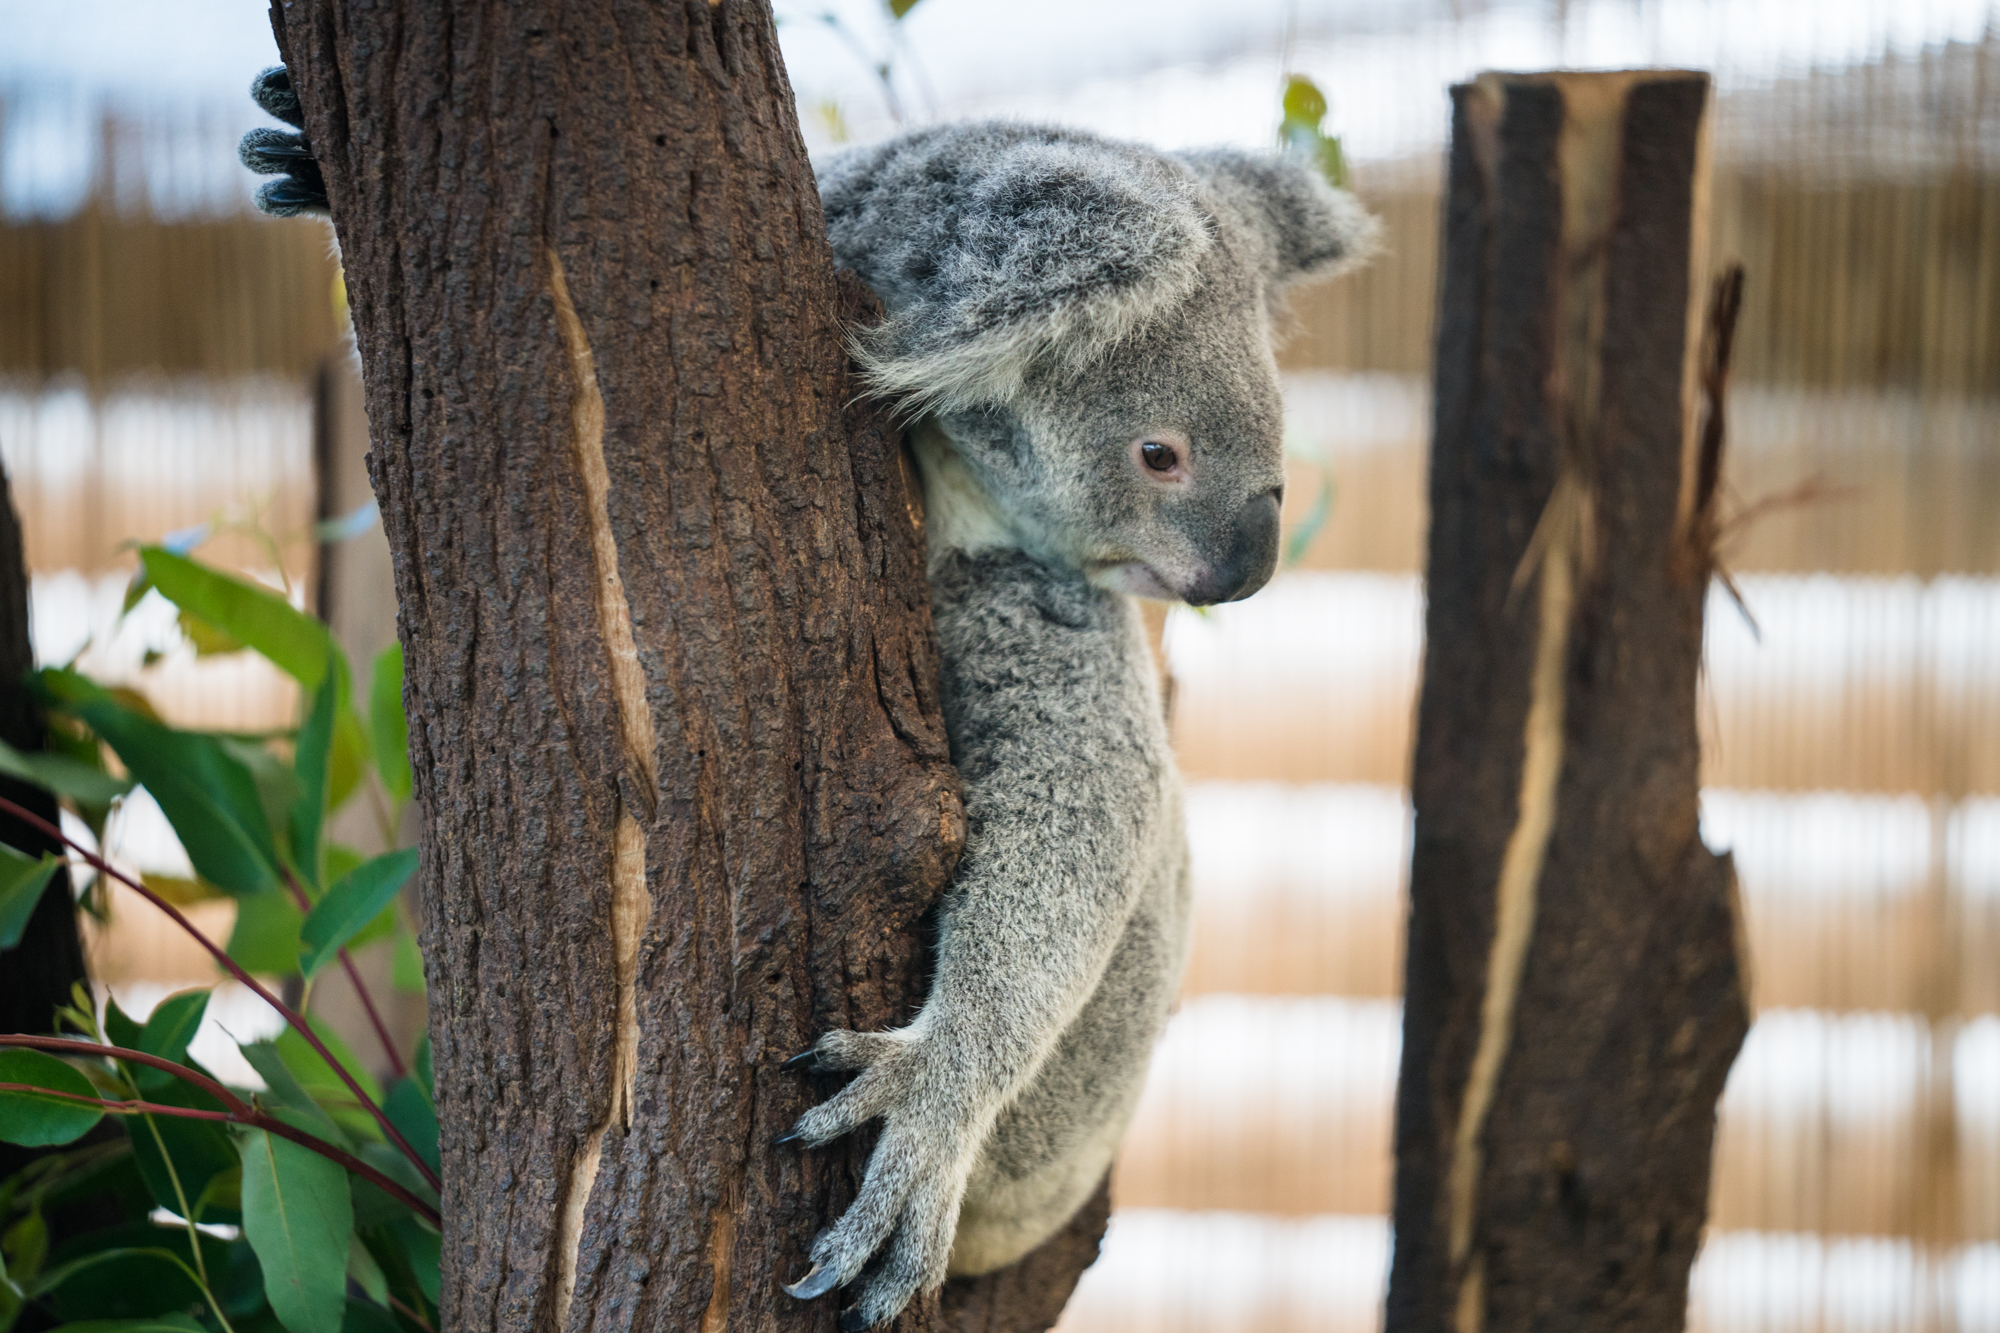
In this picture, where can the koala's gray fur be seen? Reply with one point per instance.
(1054, 300)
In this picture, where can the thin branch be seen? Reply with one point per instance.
(230, 965)
(181, 1072)
(254, 1119)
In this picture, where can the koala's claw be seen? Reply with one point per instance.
(807, 1060)
(905, 1215)
(818, 1281)
(268, 152)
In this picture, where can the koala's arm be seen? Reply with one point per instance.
(1055, 724)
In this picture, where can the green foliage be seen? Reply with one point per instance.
(1305, 107)
(299, 1219)
(329, 1243)
(388, 723)
(22, 881)
(255, 617)
(38, 1119)
(356, 900)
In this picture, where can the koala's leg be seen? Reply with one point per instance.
(1055, 724)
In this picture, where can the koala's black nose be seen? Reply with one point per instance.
(1252, 558)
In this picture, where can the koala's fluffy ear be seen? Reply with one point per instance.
(1001, 248)
(1300, 227)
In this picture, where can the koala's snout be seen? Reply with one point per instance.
(1252, 556)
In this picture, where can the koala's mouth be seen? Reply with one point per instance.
(1134, 578)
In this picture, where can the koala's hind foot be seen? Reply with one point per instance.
(268, 152)
(900, 1226)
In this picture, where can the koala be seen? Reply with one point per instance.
(1078, 335)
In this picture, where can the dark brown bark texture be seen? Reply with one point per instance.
(779, 751)
(1582, 1197)
(36, 974)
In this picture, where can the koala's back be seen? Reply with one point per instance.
(1044, 674)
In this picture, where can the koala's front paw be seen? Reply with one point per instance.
(907, 1211)
(268, 152)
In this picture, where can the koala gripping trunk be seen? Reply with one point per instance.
(1573, 996)
(683, 776)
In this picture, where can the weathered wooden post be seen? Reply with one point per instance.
(1574, 997)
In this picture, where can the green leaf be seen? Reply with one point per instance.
(119, 1028)
(1304, 103)
(287, 1092)
(207, 794)
(424, 1249)
(366, 1273)
(323, 1085)
(299, 1219)
(900, 8)
(168, 1030)
(406, 969)
(310, 763)
(352, 903)
(35, 1120)
(265, 940)
(159, 1323)
(84, 783)
(179, 1158)
(390, 725)
(23, 880)
(125, 1282)
(295, 642)
(361, 1317)
(208, 641)
(351, 753)
(409, 1110)
(26, 1245)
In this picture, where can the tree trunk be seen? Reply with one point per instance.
(1573, 997)
(36, 974)
(684, 785)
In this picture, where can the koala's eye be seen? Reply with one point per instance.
(1159, 457)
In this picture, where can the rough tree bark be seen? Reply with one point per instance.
(1573, 998)
(684, 786)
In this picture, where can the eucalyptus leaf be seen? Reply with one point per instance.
(169, 1028)
(37, 1120)
(389, 724)
(179, 1157)
(257, 617)
(351, 904)
(265, 939)
(23, 880)
(409, 1109)
(83, 783)
(310, 762)
(287, 1092)
(299, 1219)
(207, 794)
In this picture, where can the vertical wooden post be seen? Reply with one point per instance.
(1573, 991)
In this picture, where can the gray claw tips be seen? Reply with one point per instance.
(807, 1059)
(818, 1281)
(782, 1140)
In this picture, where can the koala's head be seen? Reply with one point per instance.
(1090, 324)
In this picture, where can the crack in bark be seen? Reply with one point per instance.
(631, 904)
(1562, 551)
